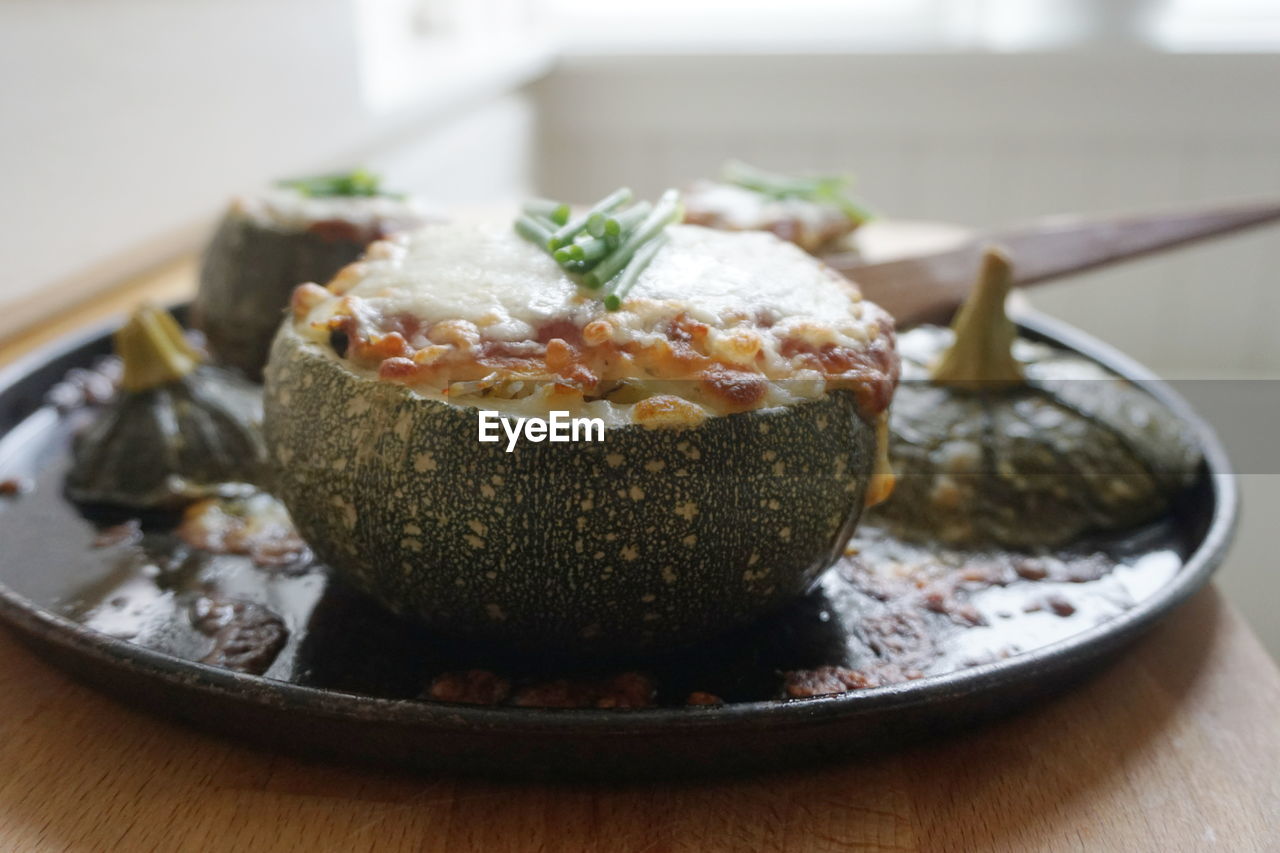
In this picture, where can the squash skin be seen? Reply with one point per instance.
(649, 539)
(164, 447)
(247, 274)
(1074, 450)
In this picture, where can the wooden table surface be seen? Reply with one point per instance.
(1174, 747)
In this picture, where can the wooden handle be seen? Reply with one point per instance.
(929, 287)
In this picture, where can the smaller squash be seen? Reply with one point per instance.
(1000, 441)
(814, 212)
(176, 430)
(300, 231)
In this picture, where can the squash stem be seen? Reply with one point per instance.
(981, 356)
(153, 350)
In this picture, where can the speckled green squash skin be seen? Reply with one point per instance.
(652, 538)
(247, 274)
(160, 448)
(1077, 450)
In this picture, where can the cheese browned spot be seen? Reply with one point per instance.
(719, 322)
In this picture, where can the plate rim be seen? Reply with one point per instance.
(24, 615)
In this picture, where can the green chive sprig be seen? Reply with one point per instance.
(821, 189)
(565, 234)
(616, 224)
(533, 228)
(589, 250)
(607, 247)
(555, 212)
(667, 210)
(358, 183)
(622, 284)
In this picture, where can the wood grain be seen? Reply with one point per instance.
(927, 287)
(1174, 747)
(166, 283)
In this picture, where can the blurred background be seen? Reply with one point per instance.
(128, 123)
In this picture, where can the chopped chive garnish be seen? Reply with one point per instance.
(616, 224)
(556, 212)
(592, 248)
(586, 249)
(356, 183)
(667, 210)
(530, 228)
(571, 229)
(854, 211)
(820, 189)
(625, 221)
(565, 254)
(606, 247)
(627, 278)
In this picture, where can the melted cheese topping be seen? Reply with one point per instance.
(287, 209)
(459, 309)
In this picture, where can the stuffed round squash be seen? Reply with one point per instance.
(739, 387)
(269, 243)
(816, 213)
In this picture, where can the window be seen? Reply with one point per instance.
(778, 26)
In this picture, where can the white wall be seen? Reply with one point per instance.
(128, 123)
(127, 120)
(984, 139)
(976, 139)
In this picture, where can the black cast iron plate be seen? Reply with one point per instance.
(349, 681)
